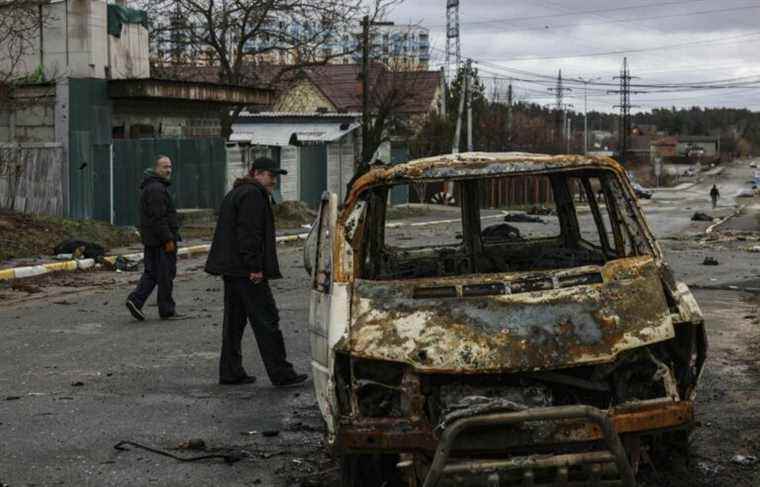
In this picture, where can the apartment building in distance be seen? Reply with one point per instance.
(398, 46)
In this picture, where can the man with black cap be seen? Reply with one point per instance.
(244, 253)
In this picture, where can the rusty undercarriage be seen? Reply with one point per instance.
(561, 354)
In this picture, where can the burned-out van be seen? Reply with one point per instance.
(478, 351)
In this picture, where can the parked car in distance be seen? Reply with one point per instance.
(641, 192)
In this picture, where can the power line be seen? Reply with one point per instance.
(580, 12)
(643, 49)
(629, 20)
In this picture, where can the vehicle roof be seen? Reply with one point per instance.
(479, 164)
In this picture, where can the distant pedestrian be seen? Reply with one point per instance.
(714, 195)
(244, 253)
(159, 231)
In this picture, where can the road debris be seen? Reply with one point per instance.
(540, 210)
(701, 217)
(228, 458)
(192, 444)
(522, 218)
(710, 261)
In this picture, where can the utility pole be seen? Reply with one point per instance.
(509, 116)
(471, 82)
(443, 92)
(559, 91)
(463, 89)
(453, 47)
(365, 98)
(625, 106)
(585, 110)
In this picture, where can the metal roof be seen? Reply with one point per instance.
(293, 133)
(306, 115)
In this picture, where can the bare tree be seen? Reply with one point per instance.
(21, 22)
(235, 34)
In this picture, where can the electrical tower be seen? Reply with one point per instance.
(560, 110)
(624, 128)
(453, 48)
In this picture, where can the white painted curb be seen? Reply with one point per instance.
(72, 265)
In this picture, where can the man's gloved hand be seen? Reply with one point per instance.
(170, 247)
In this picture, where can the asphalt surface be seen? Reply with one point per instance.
(78, 374)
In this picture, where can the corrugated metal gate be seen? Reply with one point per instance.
(89, 149)
(313, 177)
(198, 175)
(399, 155)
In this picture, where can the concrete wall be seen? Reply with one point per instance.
(32, 118)
(129, 54)
(74, 43)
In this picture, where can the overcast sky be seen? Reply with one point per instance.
(686, 41)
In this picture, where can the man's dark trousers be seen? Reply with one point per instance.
(160, 270)
(243, 301)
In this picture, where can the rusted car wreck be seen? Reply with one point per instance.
(500, 358)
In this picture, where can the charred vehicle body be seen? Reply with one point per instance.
(559, 354)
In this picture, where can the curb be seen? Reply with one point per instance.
(736, 213)
(73, 265)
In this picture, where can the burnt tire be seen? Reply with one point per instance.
(374, 470)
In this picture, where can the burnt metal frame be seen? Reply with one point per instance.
(450, 434)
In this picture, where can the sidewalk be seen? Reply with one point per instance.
(195, 248)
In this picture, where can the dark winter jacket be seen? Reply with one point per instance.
(244, 239)
(158, 215)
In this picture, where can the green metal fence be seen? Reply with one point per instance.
(198, 174)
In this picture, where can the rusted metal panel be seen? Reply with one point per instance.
(404, 435)
(512, 332)
(181, 90)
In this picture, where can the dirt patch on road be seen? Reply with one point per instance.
(23, 235)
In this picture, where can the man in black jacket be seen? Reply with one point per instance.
(159, 231)
(244, 252)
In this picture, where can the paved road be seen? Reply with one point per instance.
(77, 375)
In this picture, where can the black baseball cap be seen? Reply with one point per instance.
(267, 164)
